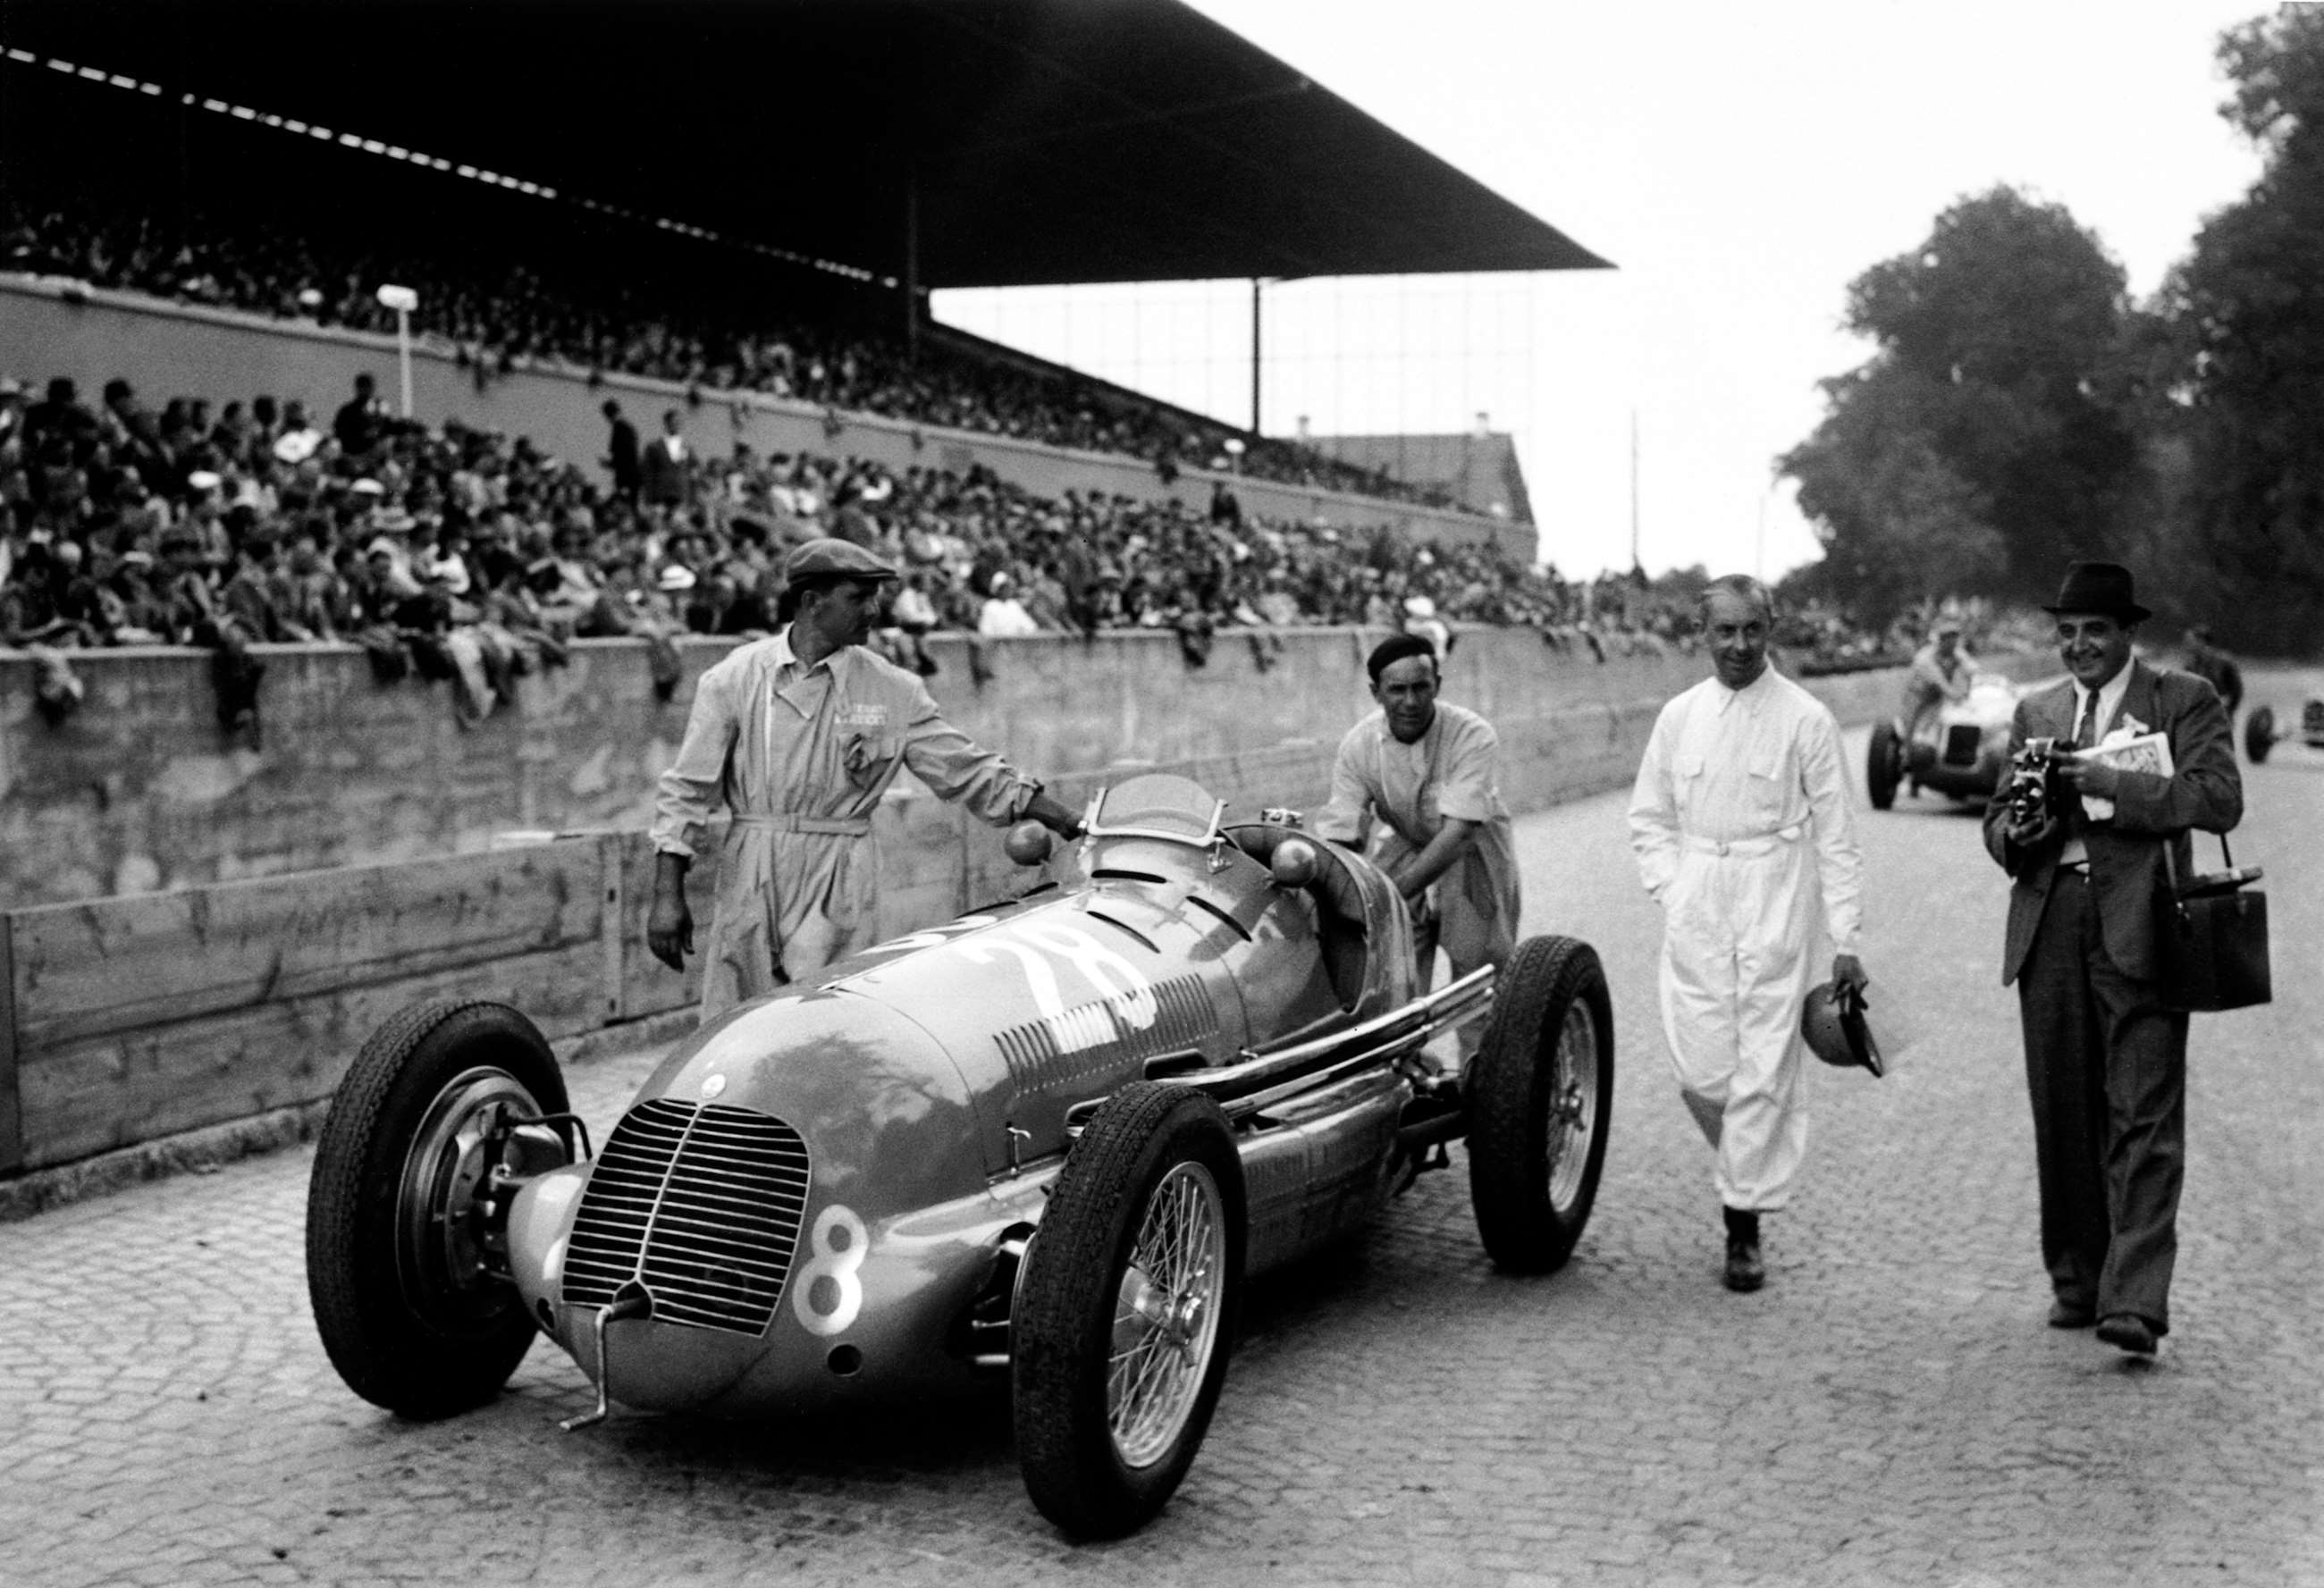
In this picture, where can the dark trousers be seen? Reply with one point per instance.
(2107, 1067)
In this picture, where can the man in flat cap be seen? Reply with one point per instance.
(2106, 1063)
(799, 735)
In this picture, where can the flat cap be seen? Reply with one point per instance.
(830, 556)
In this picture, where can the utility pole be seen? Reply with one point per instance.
(1634, 561)
(1254, 358)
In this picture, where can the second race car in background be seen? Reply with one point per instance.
(2261, 734)
(1962, 749)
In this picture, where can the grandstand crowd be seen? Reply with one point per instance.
(471, 555)
(496, 316)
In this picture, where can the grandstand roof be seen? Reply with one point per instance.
(1044, 140)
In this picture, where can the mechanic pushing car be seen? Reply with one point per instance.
(1430, 773)
(800, 735)
(1741, 819)
(1941, 672)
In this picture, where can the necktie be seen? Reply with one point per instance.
(2085, 729)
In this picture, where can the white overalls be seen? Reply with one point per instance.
(801, 757)
(1741, 817)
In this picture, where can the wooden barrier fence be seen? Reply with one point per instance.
(131, 1018)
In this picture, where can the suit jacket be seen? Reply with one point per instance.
(662, 478)
(2126, 867)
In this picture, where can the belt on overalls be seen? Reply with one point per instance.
(832, 826)
(1765, 843)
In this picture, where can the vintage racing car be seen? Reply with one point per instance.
(2261, 734)
(1960, 749)
(1048, 1141)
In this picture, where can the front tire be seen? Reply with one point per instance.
(1125, 1311)
(2259, 733)
(1883, 765)
(409, 1312)
(1541, 1095)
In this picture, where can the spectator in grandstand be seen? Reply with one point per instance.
(622, 459)
(1003, 616)
(1419, 620)
(297, 440)
(664, 475)
(362, 420)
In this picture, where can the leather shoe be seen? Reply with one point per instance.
(2066, 1314)
(2126, 1331)
(1745, 1271)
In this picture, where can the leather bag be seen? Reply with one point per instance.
(2213, 940)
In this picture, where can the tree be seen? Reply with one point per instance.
(1988, 439)
(2248, 307)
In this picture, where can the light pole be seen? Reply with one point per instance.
(402, 300)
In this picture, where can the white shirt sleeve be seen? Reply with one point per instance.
(1653, 807)
(697, 778)
(1342, 821)
(1840, 863)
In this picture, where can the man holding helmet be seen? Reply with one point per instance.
(2106, 1063)
(1741, 821)
(799, 735)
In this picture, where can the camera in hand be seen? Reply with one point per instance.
(2033, 780)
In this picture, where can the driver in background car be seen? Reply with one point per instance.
(799, 735)
(1941, 675)
(1430, 773)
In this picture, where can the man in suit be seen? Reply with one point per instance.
(2106, 1063)
(622, 455)
(662, 476)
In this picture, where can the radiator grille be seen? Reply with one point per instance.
(698, 1204)
(1961, 743)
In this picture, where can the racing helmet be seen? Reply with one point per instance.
(1836, 1032)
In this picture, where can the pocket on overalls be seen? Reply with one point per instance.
(867, 754)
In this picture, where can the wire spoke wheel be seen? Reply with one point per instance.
(1124, 1313)
(1573, 1106)
(1540, 1097)
(1165, 1324)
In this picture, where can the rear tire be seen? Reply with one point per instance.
(410, 1314)
(1124, 1313)
(1541, 1095)
(2259, 733)
(1884, 766)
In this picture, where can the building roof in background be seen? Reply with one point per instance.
(1024, 141)
(1477, 468)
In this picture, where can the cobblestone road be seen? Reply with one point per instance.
(1889, 1409)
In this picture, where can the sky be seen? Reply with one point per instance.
(1740, 163)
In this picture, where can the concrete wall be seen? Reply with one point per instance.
(140, 791)
(137, 1016)
(172, 350)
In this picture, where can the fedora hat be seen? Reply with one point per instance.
(2103, 588)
